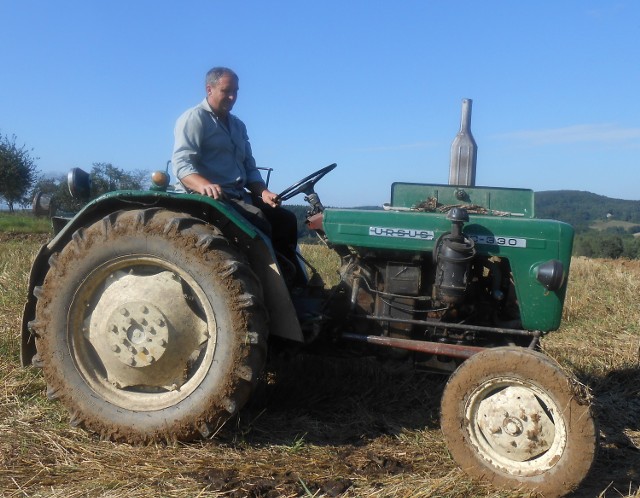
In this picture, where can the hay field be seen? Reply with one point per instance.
(320, 427)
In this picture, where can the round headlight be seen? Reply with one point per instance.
(551, 274)
(79, 183)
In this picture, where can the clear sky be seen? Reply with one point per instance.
(373, 85)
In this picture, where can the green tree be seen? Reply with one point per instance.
(582, 245)
(104, 178)
(18, 172)
(596, 244)
(610, 247)
(56, 188)
(632, 248)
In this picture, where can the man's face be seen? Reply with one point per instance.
(222, 95)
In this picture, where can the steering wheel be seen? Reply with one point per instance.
(306, 184)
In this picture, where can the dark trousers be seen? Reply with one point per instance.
(277, 223)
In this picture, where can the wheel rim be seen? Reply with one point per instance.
(515, 426)
(142, 332)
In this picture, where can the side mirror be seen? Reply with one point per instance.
(79, 182)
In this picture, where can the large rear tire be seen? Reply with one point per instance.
(150, 326)
(511, 416)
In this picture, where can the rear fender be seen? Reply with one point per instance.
(256, 245)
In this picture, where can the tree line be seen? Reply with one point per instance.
(105, 177)
(20, 180)
(606, 244)
(583, 210)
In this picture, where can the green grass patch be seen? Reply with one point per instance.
(24, 223)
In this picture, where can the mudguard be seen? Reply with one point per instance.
(255, 244)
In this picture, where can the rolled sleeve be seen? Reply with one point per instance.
(189, 135)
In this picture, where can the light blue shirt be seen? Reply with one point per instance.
(204, 145)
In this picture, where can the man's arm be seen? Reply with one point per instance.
(200, 184)
(188, 135)
(259, 189)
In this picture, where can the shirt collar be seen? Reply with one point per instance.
(207, 107)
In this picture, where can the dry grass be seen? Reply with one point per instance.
(326, 262)
(320, 427)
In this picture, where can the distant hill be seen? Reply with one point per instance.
(585, 209)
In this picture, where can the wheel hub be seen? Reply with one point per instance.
(512, 426)
(151, 343)
(515, 424)
(140, 334)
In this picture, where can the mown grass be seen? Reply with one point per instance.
(321, 427)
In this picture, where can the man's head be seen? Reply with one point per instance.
(222, 90)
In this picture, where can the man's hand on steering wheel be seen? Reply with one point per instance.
(259, 189)
(270, 198)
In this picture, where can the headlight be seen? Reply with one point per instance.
(550, 274)
(79, 183)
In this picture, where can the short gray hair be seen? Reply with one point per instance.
(214, 74)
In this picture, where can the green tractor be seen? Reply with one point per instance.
(151, 313)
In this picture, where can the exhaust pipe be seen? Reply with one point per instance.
(464, 151)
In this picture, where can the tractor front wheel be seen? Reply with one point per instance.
(150, 326)
(512, 417)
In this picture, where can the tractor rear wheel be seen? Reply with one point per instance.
(512, 417)
(150, 326)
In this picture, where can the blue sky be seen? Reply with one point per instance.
(375, 86)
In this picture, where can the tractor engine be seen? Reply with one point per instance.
(445, 295)
(446, 270)
(452, 257)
